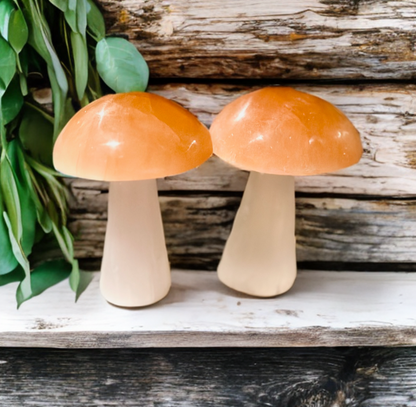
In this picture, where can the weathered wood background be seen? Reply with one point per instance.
(303, 39)
(205, 54)
(364, 214)
(358, 54)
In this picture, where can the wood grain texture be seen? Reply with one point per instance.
(385, 115)
(366, 377)
(327, 229)
(313, 39)
(322, 309)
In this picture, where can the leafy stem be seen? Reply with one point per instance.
(63, 43)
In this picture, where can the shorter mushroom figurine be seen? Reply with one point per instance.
(276, 133)
(130, 139)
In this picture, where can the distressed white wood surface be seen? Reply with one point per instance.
(322, 309)
(270, 39)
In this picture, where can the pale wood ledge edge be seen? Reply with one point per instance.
(323, 308)
(399, 336)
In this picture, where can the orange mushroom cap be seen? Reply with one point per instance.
(131, 136)
(279, 130)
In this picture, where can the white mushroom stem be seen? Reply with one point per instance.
(135, 269)
(259, 257)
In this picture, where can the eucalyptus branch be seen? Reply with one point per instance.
(74, 59)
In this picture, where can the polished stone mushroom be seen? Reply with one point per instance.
(276, 133)
(130, 139)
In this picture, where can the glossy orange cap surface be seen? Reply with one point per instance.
(131, 136)
(279, 130)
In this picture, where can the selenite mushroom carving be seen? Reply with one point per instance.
(130, 139)
(276, 133)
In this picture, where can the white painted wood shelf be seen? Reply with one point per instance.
(323, 309)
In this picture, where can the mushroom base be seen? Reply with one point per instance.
(259, 257)
(135, 270)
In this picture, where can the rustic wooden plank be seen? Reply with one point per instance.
(327, 229)
(368, 377)
(384, 114)
(322, 309)
(356, 231)
(196, 227)
(312, 39)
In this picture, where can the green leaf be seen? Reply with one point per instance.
(69, 240)
(61, 4)
(7, 65)
(44, 276)
(21, 258)
(38, 192)
(7, 260)
(69, 111)
(10, 195)
(12, 101)
(71, 15)
(94, 83)
(76, 16)
(80, 52)
(35, 21)
(58, 98)
(64, 244)
(24, 187)
(56, 65)
(6, 10)
(18, 31)
(82, 17)
(121, 66)
(75, 276)
(40, 39)
(23, 84)
(95, 22)
(17, 274)
(24, 63)
(36, 134)
(79, 279)
(56, 190)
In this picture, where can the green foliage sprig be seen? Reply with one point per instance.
(62, 43)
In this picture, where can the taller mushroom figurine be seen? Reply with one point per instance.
(276, 133)
(130, 139)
